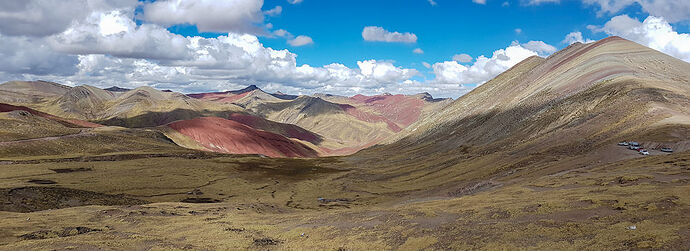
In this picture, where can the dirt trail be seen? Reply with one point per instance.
(83, 132)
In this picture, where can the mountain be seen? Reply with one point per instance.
(287, 130)
(401, 110)
(117, 89)
(344, 125)
(73, 123)
(228, 136)
(27, 92)
(570, 108)
(225, 97)
(83, 102)
(140, 107)
(342, 132)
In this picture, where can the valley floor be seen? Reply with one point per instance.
(248, 202)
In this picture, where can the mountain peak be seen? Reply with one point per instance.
(117, 89)
(245, 90)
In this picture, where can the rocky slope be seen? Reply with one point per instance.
(545, 116)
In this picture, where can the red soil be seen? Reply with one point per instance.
(64, 121)
(400, 109)
(223, 97)
(287, 130)
(228, 136)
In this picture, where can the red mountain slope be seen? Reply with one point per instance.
(400, 109)
(228, 136)
(287, 130)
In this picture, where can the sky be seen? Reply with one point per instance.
(443, 47)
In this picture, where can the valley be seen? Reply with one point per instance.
(527, 160)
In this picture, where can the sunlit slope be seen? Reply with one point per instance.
(545, 115)
(342, 133)
(140, 107)
(26, 92)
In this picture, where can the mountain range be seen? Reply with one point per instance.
(532, 159)
(254, 121)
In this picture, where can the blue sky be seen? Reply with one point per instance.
(448, 28)
(313, 46)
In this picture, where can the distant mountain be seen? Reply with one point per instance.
(343, 126)
(28, 92)
(117, 89)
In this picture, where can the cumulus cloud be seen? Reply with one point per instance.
(575, 37)
(670, 10)
(479, 1)
(47, 17)
(384, 72)
(653, 32)
(462, 58)
(208, 15)
(483, 69)
(301, 40)
(379, 34)
(418, 51)
(26, 55)
(107, 47)
(117, 34)
(540, 47)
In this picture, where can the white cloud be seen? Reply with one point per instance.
(654, 32)
(301, 40)
(484, 69)
(115, 33)
(432, 2)
(26, 55)
(294, 1)
(106, 47)
(47, 17)
(575, 37)
(518, 31)
(418, 51)
(384, 72)
(275, 11)
(462, 58)
(208, 15)
(505, 4)
(379, 34)
(670, 10)
(540, 47)
(281, 33)
(479, 1)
